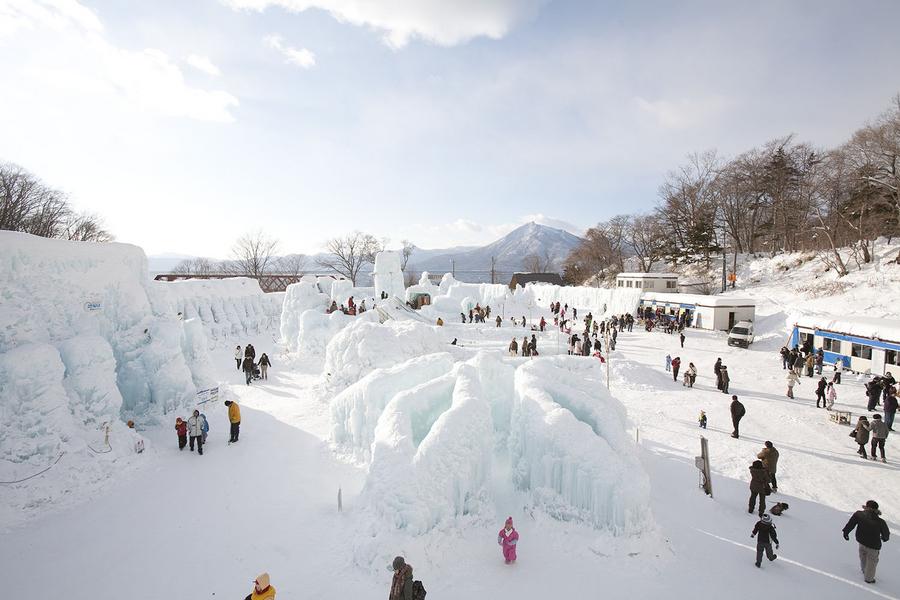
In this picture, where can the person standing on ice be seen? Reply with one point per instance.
(766, 530)
(792, 380)
(507, 539)
(234, 417)
(769, 457)
(248, 368)
(264, 364)
(262, 589)
(238, 357)
(737, 413)
(759, 487)
(181, 430)
(716, 370)
(195, 429)
(676, 365)
(830, 396)
(879, 434)
(668, 362)
(871, 531)
(402, 583)
(821, 386)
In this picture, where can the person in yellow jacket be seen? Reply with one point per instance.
(262, 589)
(234, 416)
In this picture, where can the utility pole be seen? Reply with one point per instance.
(452, 267)
(493, 264)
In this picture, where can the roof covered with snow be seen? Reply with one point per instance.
(867, 327)
(650, 275)
(698, 299)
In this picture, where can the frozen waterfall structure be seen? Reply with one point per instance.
(431, 426)
(388, 275)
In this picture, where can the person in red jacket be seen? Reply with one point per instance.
(508, 538)
(676, 364)
(181, 430)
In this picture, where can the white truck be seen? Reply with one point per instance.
(741, 334)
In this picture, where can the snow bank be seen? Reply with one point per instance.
(432, 452)
(228, 308)
(356, 410)
(316, 329)
(569, 446)
(299, 298)
(601, 302)
(364, 346)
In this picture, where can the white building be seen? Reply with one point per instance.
(717, 313)
(653, 282)
(862, 344)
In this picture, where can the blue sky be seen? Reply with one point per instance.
(187, 123)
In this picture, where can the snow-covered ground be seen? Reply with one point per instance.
(400, 431)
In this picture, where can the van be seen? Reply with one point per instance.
(741, 334)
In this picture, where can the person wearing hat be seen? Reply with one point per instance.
(879, 430)
(766, 530)
(508, 538)
(234, 417)
(871, 530)
(402, 583)
(262, 589)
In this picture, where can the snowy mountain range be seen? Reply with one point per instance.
(509, 252)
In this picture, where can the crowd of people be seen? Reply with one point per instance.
(246, 362)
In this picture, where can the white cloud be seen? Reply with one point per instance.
(300, 57)
(681, 114)
(60, 44)
(202, 63)
(442, 22)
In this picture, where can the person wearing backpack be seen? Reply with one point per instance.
(508, 538)
(402, 583)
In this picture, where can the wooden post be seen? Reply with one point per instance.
(702, 463)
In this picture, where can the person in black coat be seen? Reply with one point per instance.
(737, 413)
(871, 530)
(717, 369)
(248, 368)
(820, 392)
(766, 530)
(759, 486)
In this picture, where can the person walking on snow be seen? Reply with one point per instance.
(810, 362)
(702, 420)
(769, 458)
(195, 429)
(264, 364)
(262, 589)
(676, 364)
(737, 413)
(234, 417)
(716, 370)
(181, 430)
(681, 337)
(890, 409)
(838, 369)
(820, 392)
(402, 583)
(785, 355)
(692, 373)
(871, 531)
(792, 380)
(759, 487)
(766, 530)
(248, 369)
(508, 538)
(830, 396)
(668, 362)
(205, 427)
(543, 323)
(879, 431)
(514, 347)
(723, 375)
(861, 434)
(238, 357)
(498, 320)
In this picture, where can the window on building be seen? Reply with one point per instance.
(671, 285)
(629, 283)
(638, 284)
(860, 351)
(831, 345)
(621, 283)
(891, 357)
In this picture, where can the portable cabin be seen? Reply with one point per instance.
(652, 282)
(862, 344)
(716, 313)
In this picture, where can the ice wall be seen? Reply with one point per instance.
(601, 302)
(388, 275)
(569, 447)
(299, 298)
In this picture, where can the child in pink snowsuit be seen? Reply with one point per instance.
(507, 538)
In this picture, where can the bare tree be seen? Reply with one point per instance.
(647, 239)
(292, 264)
(254, 254)
(350, 253)
(538, 263)
(405, 252)
(85, 227)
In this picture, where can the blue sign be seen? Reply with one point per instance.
(92, 306)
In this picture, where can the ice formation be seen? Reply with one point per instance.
(299, 298)
(388, 275)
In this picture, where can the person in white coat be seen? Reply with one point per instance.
(238, 357)
(830, 395)
(792, 379)
(196, 424)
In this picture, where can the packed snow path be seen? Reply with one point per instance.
(185, 526)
